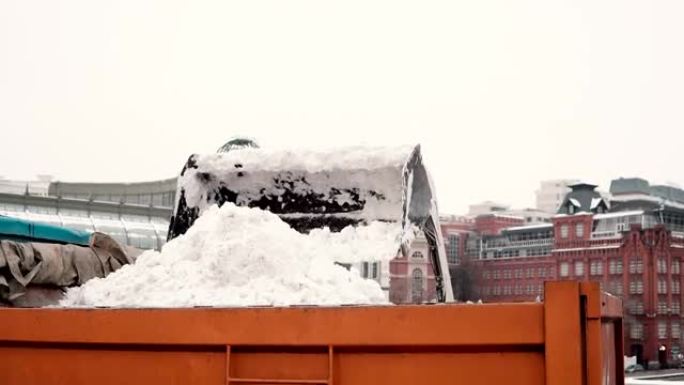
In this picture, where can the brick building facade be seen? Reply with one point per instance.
(635, 251)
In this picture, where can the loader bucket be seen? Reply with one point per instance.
(309, 190)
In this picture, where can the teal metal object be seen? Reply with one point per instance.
(31, 231)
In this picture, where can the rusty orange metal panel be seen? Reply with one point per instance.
(440, 368)
(91, 365)
(611, 306)
(603, 341)
(505, 324)
(563, 334)
(570, 339)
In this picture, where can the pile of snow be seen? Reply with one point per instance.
(236, 256)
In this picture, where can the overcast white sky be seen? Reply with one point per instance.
(500, 93)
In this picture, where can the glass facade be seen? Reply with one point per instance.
(157, 199)
(133, 230)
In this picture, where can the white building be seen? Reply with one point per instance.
(37, 187)
(531, 216)
(486, 207)
(551, 193)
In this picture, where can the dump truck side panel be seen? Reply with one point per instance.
(530, 343)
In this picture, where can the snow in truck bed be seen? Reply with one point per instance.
(237, 256)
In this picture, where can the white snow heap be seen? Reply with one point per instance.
(236, 256)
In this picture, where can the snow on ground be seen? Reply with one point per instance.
(237, 256)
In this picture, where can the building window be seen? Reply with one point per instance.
(675, 286)
(564, 230)
(579, 268)
(636, 331)
(675, 267)
(662, 307)
(417, 287)
(579, 230)
(496, 274)
(370, 269)
(542, 272)
(662, 286)
(662, 329)
(662, 265)
(564, 269)
(675, 306)
(616, 287)
(636, 307)
(636, 265)
(452, 248)
(636, 287)
(615, 266)
(676, 331)
(596, 267)
(417, 255)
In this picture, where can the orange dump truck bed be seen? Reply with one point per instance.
(574, 337)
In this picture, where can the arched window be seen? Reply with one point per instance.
(417, 255)
(417, 286)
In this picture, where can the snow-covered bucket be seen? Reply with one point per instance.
(316, 189)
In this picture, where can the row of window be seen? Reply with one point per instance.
(532, 236)
(636, 330)
(530, 272)
(637, 287)
(637, 307)
(538, 251)
(564, 269)
(565, 230)
(519, 289)
(513, 253)
(510, 253)
(636, 266)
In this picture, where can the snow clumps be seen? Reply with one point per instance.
(237, 256)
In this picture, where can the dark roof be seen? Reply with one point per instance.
(582, 199)
(641, 186)
(583, 186)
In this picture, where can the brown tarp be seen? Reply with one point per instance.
(39, 271)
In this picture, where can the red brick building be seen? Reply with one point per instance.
(412, 278)
(635, 252)
(492, 224)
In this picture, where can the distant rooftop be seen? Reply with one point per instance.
(537, 227)
(583, 198)
(624, 186)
